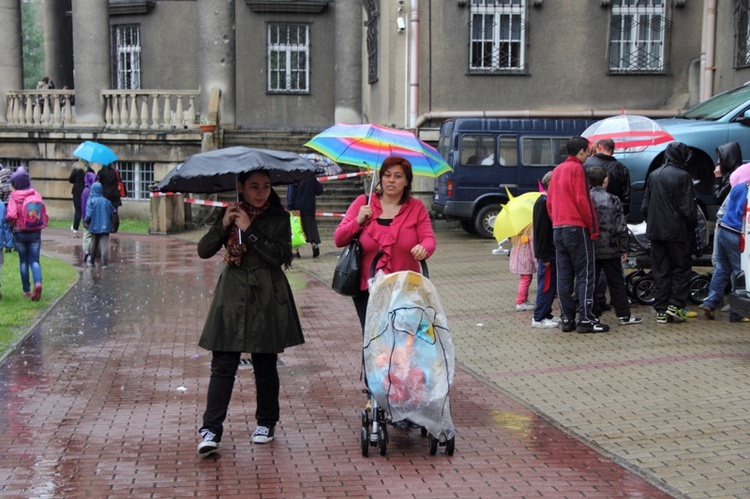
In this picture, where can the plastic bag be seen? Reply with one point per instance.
(298, 236)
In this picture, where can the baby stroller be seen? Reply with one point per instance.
(408, 361)
(640, 282)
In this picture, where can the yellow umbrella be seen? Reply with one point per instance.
(516, 214)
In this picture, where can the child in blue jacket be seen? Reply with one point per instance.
(98, 221)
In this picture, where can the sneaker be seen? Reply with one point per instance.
(263, 434)
(592, 327)
(691, 314)
(708, 312)
(73, 231)
(662, 318)
(37, 293)
(316, 251)
(210, 444)
(525, 307)
(544, 324)
(27, 294)
(296, 254)
(556, 320)
(631, 319)
(678, 314)
(568, 325)
(104, 267)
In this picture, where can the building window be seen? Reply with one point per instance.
(127, 47)
(742, 32)
(638, 36)
(138, 177)
(498, 36)
(289, 58)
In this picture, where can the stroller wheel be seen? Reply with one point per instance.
(365, 442)
(450, 446)
(423, 431)
(699, 288)
(433, 444)
(630, 280)
(383, 436)
(644, 290)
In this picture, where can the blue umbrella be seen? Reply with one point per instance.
(94, 152)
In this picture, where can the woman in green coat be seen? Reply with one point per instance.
(253, 309)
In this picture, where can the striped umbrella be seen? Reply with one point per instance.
(367, 146)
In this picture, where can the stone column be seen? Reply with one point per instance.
(348, 60)
(216, 57)
(11, 56)
(58, 43)
(92, 63)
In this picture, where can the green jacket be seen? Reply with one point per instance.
(253, 307)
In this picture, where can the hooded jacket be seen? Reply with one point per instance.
(729, 157)
(669, 205)
(88, 181)
(98, 211)
(15, 203)
(619, 177)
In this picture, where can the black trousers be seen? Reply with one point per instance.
(611, 269)
(77, 214)
(671, 267)
(223, 372)
(360, 304)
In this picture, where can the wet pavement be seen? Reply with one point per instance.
(104, 396)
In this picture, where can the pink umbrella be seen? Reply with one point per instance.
(629, 131)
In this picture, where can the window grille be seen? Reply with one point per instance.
(138, 177)
(288, 58)
(128, 56)
(742, 33)
(498, 36)
(638, 36)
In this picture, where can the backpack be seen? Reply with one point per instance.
(33, 215)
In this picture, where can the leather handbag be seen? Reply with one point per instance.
(347, 272)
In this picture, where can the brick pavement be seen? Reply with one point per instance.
(104, 397)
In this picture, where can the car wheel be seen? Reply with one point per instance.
(485, 219)
(468, 226)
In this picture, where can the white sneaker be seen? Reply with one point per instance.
(525, 307)
(500, 251)
(556, 320)
(544, 324)
(210, 443)
(263, 435)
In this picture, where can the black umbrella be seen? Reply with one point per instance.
(217, 171)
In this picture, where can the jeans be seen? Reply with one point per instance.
(6, 235)
(28, 246)
(546, 289)
(223, 371)
(575, 272)
(726, 264)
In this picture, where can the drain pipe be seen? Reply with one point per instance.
(413, 40)
(708, 50)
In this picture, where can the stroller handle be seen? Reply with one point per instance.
(423, 263)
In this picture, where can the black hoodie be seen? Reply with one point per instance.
(729, 157)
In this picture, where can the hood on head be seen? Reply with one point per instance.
(678, 154)
(20, 180)
(729, 156)
(96, 189)
(89, 179)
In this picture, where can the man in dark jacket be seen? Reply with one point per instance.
(618, 174)
(670, 212)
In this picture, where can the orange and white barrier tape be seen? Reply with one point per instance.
(342, 175)
(222, 204)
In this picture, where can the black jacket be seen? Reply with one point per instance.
(301, 196)
(729, 156)
(669, 206)
(619, 177)
(108, 178)
(544, 243)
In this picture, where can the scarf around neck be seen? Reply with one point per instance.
(235, 250)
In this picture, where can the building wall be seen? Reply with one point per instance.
(727, 76)
(256, 108)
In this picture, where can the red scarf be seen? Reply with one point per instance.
(235, 250)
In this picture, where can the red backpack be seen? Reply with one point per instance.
(33, 215)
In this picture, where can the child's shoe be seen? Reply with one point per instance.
(524, 307)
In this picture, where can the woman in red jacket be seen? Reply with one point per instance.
(392, 221)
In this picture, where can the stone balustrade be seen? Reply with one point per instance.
(123, 109)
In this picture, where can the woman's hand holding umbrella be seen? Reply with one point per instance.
(365, 213)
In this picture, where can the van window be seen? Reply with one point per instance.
(543, 151)
(476, 148)
(508, 151)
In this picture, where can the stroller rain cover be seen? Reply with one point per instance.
(408, 352)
